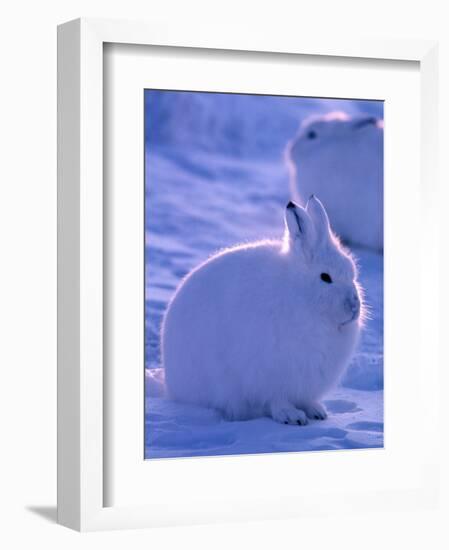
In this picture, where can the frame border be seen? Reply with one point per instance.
(80, 226)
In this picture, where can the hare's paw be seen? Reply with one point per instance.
(288, 414)
(315, 411)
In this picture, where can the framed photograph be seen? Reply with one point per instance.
(223, 318)
(244, 228)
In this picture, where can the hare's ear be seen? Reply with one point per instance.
(318, 214)
(299, 227)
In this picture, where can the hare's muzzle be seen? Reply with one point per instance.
(352, 307)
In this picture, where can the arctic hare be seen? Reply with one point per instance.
(267, 328)
(340, 159)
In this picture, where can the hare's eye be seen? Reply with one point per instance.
(311, 134)
(326, 277)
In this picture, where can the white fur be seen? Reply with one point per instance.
(342, 163)
(254, 330)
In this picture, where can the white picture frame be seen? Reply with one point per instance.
(82, 392)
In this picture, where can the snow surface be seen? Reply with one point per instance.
(215, 176)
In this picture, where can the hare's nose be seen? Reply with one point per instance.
(365, 121)
(352, 304)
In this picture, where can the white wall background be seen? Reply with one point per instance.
(28, 267)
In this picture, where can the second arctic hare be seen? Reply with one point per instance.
(265, 329)
(340, 159)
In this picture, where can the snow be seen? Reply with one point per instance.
(215, 176)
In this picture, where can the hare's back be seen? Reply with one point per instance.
(234, 275)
